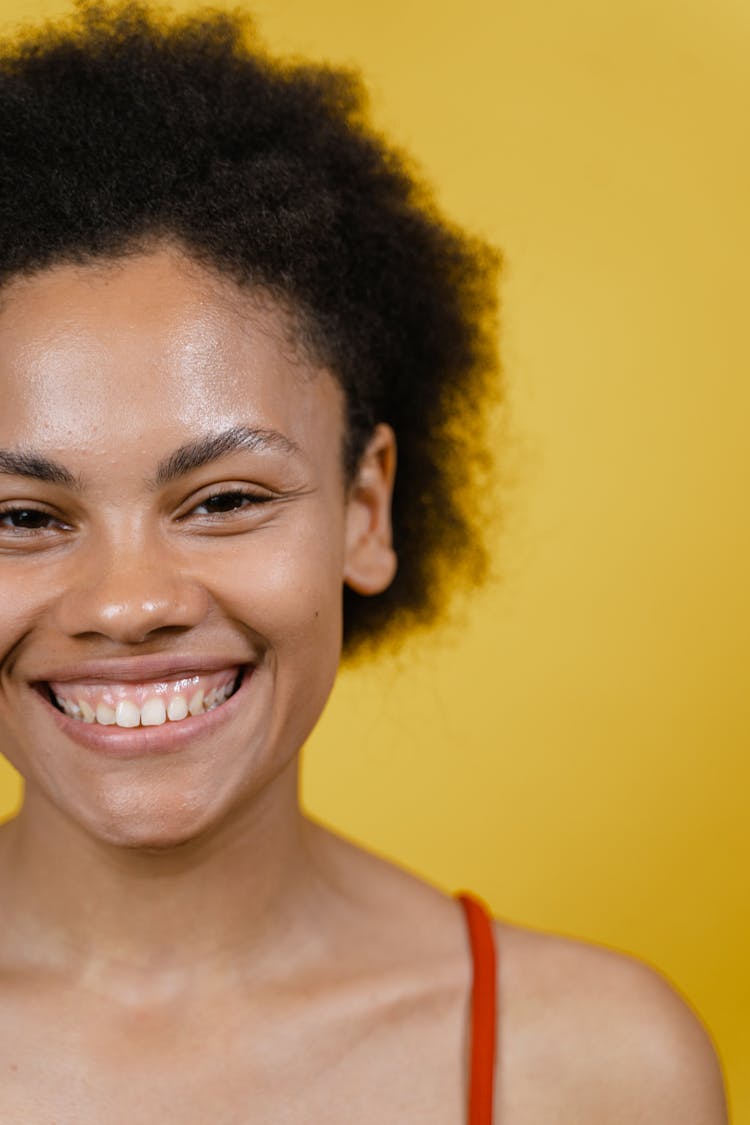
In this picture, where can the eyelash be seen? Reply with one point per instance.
(252, 499)
(10, 510)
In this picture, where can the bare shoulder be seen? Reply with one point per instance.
(589, 1035)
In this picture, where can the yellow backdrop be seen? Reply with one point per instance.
(576, 749)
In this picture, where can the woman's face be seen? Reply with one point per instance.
(174, 526)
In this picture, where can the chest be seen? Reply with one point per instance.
(64, 1062)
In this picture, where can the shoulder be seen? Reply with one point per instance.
(598, 1036)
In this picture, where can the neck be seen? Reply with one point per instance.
(249, 892)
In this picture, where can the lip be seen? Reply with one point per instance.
(143, 742)
(139, 669)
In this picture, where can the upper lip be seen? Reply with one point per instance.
(139, 669)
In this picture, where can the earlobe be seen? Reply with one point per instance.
(370, 561)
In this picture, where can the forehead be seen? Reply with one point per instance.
(151, 350)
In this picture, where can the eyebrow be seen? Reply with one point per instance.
(192, 455)
(201, 452)
(19, 464)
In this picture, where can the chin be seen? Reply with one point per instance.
(150, 820)
(151, 834)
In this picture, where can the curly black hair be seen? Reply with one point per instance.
(122, 124)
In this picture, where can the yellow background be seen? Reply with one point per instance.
(576, 748)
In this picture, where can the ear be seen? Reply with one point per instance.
(370, 561)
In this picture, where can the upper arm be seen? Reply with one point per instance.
(591, 1036)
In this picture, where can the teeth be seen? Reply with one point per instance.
(87, 711)
(127, 714)
(177, 708)
(153, 713)
(195, 706)
(105, 715)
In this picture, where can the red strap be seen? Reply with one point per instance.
(483, 1010)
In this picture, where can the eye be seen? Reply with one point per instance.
(230, 501)
(26, 519)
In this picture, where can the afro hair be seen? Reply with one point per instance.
(122, 125)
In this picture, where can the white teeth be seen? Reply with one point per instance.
(153, 713)
(195, 706)
(127, 714)
(105, 715)
(177, 708)
(87, 711)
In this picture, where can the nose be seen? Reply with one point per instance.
(130, 598)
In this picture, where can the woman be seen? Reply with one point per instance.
(225, 306)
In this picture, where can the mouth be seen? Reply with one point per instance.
(147, 704)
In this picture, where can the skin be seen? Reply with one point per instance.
(179, 941)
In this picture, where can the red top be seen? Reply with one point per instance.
(483, 1009)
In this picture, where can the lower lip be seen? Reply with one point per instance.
(143, 742)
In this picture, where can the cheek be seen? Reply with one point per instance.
(21, 606)
(24, 594)
(286, 588)
(288, 598)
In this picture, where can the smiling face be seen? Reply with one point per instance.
(175, 530)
